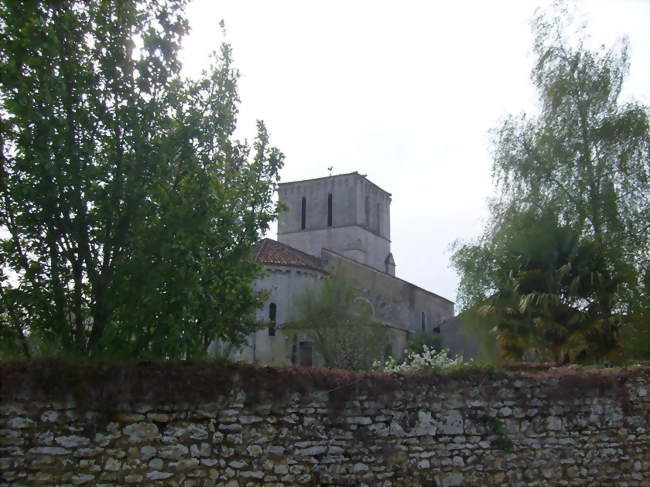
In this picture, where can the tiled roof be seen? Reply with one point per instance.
(275, 253)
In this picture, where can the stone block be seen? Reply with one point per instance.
(80, 479)
(451, 424)
(48, 450)
(74, 441)
(276, 450)
(141, 432)
(125, 417)
(554, 423)
(250, 419)
(158, 417)
(254, 450)
(173, 451)
(312, 451)
(19, 422)
(452, 479)
(156, 475)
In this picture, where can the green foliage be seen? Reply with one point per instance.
(127, 208)
(496, 428)
(557, 270)
(503, 443)
(635, 334)
(423, 342)
(478, 327)
(555, 297)
(340, 325)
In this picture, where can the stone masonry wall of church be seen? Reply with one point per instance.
(247, 426)
(360, 223)
(393, 300)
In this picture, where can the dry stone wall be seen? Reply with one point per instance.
(558, 428)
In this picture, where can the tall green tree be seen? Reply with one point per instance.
(585, 161)
(340, 325)
(127, 208)
(552, 294)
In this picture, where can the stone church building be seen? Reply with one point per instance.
(336, 224)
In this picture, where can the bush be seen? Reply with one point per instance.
(428, 358)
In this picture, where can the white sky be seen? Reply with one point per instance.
(403, 92)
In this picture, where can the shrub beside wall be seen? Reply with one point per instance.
(204, 425)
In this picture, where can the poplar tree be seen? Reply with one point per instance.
(127, 208)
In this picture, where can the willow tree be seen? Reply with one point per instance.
(585, 159)
(127, 207)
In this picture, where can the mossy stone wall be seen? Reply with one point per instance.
(284, 427)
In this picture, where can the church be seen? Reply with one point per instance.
(336, 225)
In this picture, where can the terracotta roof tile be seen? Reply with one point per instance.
(272, 252)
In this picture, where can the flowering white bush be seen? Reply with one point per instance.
(428, 358)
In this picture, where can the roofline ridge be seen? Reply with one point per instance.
(259, 250)
(310, 261)
(298, 251)
(353, 173)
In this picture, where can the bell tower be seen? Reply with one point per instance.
(345, 213)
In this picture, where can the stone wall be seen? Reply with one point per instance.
(360, 218)
(283, 285)
(393, 300)
(263, 426)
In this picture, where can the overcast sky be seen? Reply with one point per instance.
(404, 92)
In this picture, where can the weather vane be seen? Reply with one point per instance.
(330, 169)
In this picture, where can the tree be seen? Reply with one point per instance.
(635, 336)
(340, 325)
(127, 207)
(562, 257)
(424, 342)
(554, 295)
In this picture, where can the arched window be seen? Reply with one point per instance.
(424, 322)
(306, 354)
(378, 219)
(329, 210)
(272, 313)
(367, 211)
(388, 350)
(294, 351)
(303, 213)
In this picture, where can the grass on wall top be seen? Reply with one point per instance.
(107, 385)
